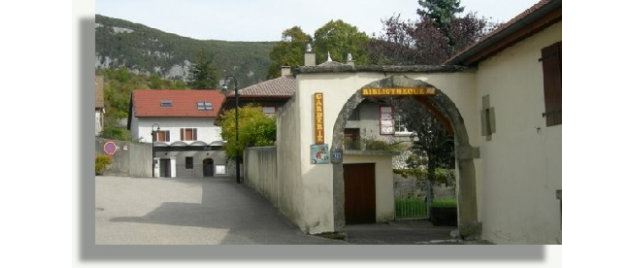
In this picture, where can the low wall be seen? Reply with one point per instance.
(130, 159)
(260, 166)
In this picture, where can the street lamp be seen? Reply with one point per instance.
(154, 132)
(225, 88)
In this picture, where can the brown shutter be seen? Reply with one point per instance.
(194, 135)
(552, 77)
(167, 135)
(182, 136)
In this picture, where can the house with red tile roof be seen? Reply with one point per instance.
(182, 126)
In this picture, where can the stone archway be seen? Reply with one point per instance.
(464, 152)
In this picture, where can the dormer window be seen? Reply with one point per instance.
(166, 103)
(204, 106)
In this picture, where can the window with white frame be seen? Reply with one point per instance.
(161, 136)
(269, 110)
(188, 134)
(204, 106)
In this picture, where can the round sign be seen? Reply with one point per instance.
(110, 148)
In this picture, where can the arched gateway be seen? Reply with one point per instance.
(442, 106)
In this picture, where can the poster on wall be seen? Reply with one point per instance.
(320, 154)
(386, 121)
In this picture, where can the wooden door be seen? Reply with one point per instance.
(208, 167)
(165, 168)
(359, 192)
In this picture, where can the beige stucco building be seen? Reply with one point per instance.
(502, 97)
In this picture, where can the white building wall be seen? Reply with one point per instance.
(522, 164)
(141, 128)
(99, 121)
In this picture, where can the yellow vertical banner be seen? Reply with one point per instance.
(318, 112)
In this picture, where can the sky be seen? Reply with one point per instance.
(264, 20)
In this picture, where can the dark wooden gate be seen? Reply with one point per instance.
(165, 168)
(208, 167)
(359, 192)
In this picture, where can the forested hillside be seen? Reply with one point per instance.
(141, 49)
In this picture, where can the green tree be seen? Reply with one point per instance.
(203, 74)
(442, 12)
(340, 38)
(289, 51)
(433, 141)
(255, 129)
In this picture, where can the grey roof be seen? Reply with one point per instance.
(343, 68)
(283, 86)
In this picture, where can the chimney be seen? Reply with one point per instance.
(349, 60)
(285, 71)
(309, 56)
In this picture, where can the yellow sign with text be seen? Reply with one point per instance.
(318, 112)
(398, 91)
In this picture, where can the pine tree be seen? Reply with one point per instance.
(203, 75)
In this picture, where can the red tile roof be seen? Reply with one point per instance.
(147, 103)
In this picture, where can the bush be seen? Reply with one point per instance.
(444, 203)
(115, 133)
(101, 163)
(379, 145)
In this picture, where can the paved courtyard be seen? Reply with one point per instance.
(189, 211)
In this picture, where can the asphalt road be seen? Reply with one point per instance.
(213, 211)
(147, 211)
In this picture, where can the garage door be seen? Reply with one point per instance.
(359, 191)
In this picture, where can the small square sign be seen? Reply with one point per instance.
(320, 154)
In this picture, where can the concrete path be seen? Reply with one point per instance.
(145, 211)
(417, 232)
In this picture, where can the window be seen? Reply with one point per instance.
(552, 81)
(166, 103)
(386, 121)
(400, 125)
(189, 162)
(188, 134)
(161, 135)
(269, 110)
(204, 106)
(351, 139)
(220, 170)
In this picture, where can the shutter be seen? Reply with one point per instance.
(182, 136)
(484, 123)
(154, 136)
(194, 135)
(492, 121)
(552, 81)
(167, 135)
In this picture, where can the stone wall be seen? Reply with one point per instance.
(130, 159)
(260, 165)
(410, 187)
